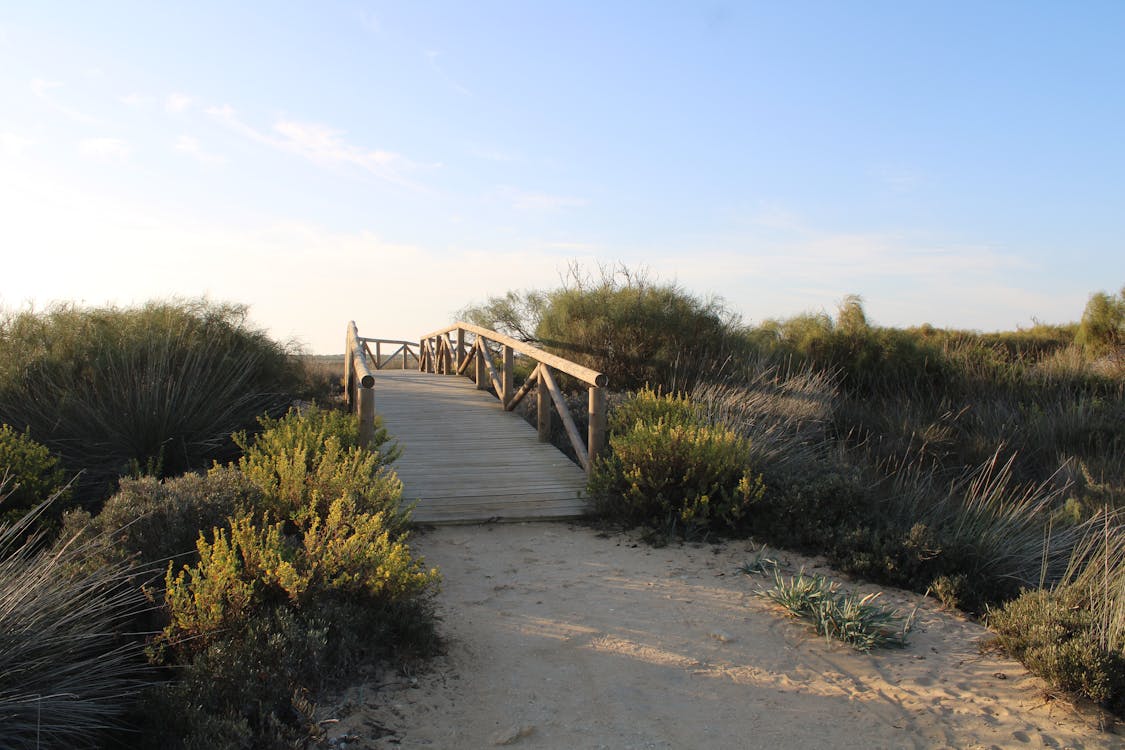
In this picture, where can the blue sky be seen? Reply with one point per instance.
(961, 164)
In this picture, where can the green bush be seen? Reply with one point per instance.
(1103, 323)
(157, 520)
(674, 475)
(151, 390)
(306, 460)
(1055, 634)
(348, 554)
(28, 473)
(650, 406)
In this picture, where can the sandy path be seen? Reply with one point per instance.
(561, 638)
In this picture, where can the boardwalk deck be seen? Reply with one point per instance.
(466, 459)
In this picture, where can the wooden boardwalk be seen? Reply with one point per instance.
(467, 460)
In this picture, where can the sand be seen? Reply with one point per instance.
(561, 636)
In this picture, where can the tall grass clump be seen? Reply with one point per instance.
(66, 672)
(155, 390)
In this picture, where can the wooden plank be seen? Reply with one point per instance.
(466, 459)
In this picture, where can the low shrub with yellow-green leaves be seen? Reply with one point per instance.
(667, 468)
(306, 460)
(255, 564)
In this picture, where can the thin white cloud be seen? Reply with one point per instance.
(104, 149)
(177, 102)
(187, 144)
(530, 200)
(43, 89)
(13, 144)
(320, 144)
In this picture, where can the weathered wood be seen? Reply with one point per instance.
(567, 420)
(514, 401)
(494, 376)
(597, 414)
(460, 350)
(479, 367)
(364, 377)
(508, 375)
(467, 359)
(366, 416)
(543, 410)
(502, 472)
(585, 374)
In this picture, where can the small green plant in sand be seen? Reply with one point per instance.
(859, 621)
(758, 564)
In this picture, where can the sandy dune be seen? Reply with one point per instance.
(561, 638)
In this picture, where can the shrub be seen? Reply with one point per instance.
(1102, 327)
(1055, 634)
(304, 461)
(28, 473)
(65, 673)
(677, 476)
(157, 520)
(155, 390)
(348, 554)
(649, 406)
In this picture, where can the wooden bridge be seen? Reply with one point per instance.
(466, 457)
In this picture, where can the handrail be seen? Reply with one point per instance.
(359, 384)
(445, 354)
(405, 348)
(585, 374)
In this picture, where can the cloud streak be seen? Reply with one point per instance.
(320, 144)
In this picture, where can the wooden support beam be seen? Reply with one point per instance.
(523, 391)
(543, 409)
(567, 420)
(465, 362)
(366, 416)
(478, 370)
(597, 413)
(508, 376)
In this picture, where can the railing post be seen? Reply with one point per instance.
(378, 355)
(405, 352)
(507, 378)
(596, 441)
(366, 416)
(543, 409)
(480, 372)
(460, 349)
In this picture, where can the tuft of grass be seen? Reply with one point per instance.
(861, 622)
(758, 564)
(66, 673)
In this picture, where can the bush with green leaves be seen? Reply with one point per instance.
(157, 520)
(1057, 635)
(28, 473)
(155, 390)
(667, 472)
(1102, 328)
(305, 460)
(348, 554)
(66, 672)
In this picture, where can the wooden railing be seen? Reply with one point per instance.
(406, 351)
(449, 352)
(359, 383)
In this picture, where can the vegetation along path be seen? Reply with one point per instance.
(563, 637)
